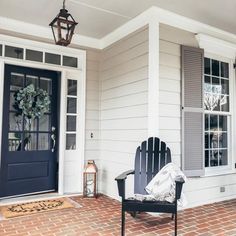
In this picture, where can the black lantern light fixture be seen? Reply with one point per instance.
(63, 26)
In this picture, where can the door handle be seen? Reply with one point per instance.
(53, 138)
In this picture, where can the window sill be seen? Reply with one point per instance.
(218, 172)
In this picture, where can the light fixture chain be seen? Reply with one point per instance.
(64, 4)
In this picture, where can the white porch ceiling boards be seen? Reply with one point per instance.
(98, 18)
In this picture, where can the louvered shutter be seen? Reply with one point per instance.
(192, 60)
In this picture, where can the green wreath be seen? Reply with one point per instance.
(31, 102)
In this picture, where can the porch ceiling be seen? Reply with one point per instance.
(97, 18)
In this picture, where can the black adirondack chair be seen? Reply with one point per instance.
(150, 157)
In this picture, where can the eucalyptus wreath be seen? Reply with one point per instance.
(31, 102)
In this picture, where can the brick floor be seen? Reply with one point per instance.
(102, 217)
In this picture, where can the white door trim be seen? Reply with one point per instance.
(81, 54)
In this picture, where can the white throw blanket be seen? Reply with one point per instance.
(162, 186)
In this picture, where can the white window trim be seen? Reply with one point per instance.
(220, 170)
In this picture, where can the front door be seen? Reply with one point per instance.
(29, 131)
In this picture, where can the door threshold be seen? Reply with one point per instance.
(35, 197)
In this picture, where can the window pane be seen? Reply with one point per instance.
(12, 102)
(52, 58)
(213, 123)
(70, 141)
(30, 142)
(44, 123)
(45, 84)
(214, 140)
(15, 122)
(225, 86)
(30, 124)
(30, 79)
(215, 67)
(70, 61)
(224, 157)
(14, 140)
(223, 123)
(33, 55)
(207, 139)
(71, 105)
(207, 158)
(43, 142)
(207, 66)
(207, 122)
(72, 87)
(17, 81)
(71, 123)
(216, 88)
(207, 84)
(14, 52)
(224, 102)
(215, 102)
(224, 69)
(214, 157)
(223, 143)
(0, 50)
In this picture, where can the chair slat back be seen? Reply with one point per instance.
(150, 157)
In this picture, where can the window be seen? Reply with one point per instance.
(71, 117)
(217, 112)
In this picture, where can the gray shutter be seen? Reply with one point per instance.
(192, 111)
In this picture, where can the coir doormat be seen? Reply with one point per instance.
(28, 208)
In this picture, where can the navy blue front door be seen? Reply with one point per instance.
(29, 146)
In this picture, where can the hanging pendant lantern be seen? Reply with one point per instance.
(63, 26)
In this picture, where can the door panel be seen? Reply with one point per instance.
(29, 145)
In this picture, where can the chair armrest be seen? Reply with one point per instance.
(124, 175)
(179, 181)
(121, 182)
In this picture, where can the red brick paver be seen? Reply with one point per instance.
(102, 217)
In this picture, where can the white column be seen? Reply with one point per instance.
(153, 81)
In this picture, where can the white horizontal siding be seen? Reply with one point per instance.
(92, 106)
(134, 99)
(123, 106)
(170, 92)
(200, 190)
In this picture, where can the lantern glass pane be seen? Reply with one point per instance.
(14, 52)
(0, 50)
(90, 185)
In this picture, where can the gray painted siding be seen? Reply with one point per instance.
(123, 106)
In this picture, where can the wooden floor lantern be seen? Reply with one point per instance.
(90, 180)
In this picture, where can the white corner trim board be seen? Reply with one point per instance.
(216, 46)
(153, 80)
(145, 18)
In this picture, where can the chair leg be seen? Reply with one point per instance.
(122, 222)
(176, 223)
